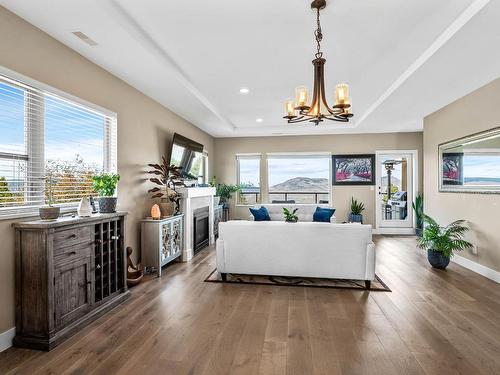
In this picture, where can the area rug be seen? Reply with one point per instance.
(377, 285)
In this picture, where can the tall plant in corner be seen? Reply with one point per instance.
(440, 242)
(418, 208)
(165, 180)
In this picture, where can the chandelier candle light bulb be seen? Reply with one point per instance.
(289, 109)
(301, 96)
(342, 95)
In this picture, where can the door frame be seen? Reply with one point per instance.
(377, 229)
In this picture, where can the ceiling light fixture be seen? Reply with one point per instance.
(299, 110)
(259, 120)
(244, 90)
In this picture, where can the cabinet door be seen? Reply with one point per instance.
(72, 289)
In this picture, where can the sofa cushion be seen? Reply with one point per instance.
(323, 214)
(305, 212)
(260, 214)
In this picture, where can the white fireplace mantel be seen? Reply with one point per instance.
(192, 199)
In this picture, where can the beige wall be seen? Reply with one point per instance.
(227, 148)
(145, 127)
(475, 112)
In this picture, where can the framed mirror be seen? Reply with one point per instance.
(471, 164)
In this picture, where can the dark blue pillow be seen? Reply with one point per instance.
(323, 214)
(260, 214)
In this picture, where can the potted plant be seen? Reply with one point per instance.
(213, 183)
(441, 242)
(225, 192)
(418, 208)
(290, 216)
(356, 209)
(105, 185)
(169, 202)
(49, 212)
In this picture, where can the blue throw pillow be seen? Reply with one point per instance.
(323, 214)
(260, 214)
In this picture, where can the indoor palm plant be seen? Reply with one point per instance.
(418, 208)
(290, 216)
(356, 211)
(166, 174)
(104, 185)
(440, 242)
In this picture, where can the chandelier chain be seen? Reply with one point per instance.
(319, 36)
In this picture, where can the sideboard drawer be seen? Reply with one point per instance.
(71, 237)
(71, 253)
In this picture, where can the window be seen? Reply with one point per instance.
(249, 179)
(299, 178)
(49, 143)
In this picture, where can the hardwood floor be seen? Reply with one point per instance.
(433, 322)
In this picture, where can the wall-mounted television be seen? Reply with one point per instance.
(188, 155)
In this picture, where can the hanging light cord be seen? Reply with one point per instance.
(319, 36)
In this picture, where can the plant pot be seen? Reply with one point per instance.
(167, 208)
(437, 259)
(418, 232)
(292, 221)
(49, 212)
(216, 201)
(355, 218)
(107, 205)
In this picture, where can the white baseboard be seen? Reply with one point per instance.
(402, 231)
(6, 338)
(478, 268)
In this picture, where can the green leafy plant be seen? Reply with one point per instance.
(290, 215)
(356, 207)
(418, 208)
(166, 174)
(105, 184)
(445, 240)
(225, 192)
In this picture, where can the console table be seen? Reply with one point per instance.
(161, 241)
(68, 272)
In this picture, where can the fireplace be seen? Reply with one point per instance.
(200, 229)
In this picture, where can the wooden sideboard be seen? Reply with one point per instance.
(68, 272)
(161, 241)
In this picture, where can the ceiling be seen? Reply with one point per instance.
(403, 60)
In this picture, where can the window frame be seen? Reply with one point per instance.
(254, 156)
(110, 138)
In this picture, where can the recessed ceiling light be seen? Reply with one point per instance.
(244, 90)
(85, 38)
(259, 120)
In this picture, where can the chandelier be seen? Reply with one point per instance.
(299, 110)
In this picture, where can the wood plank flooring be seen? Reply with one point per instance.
(434, 322)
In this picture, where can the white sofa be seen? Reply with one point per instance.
(307, 249)
(305, 212)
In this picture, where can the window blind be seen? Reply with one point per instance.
(50, 146)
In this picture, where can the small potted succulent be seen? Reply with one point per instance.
(290, 216)
(356, 209)
(440, 242)
(169, 198)
(49, 212)
(418, 208)
(104, 185)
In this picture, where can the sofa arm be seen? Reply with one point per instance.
(370, 261)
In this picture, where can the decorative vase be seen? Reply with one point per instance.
(216, 201)
(437, 259)
(166, 207)
(84, 208)
(355, 218)
(49, 212)
(107, 205)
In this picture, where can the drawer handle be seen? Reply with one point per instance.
(72, 253)
(73, 236)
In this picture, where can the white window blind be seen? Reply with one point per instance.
(50, 146)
